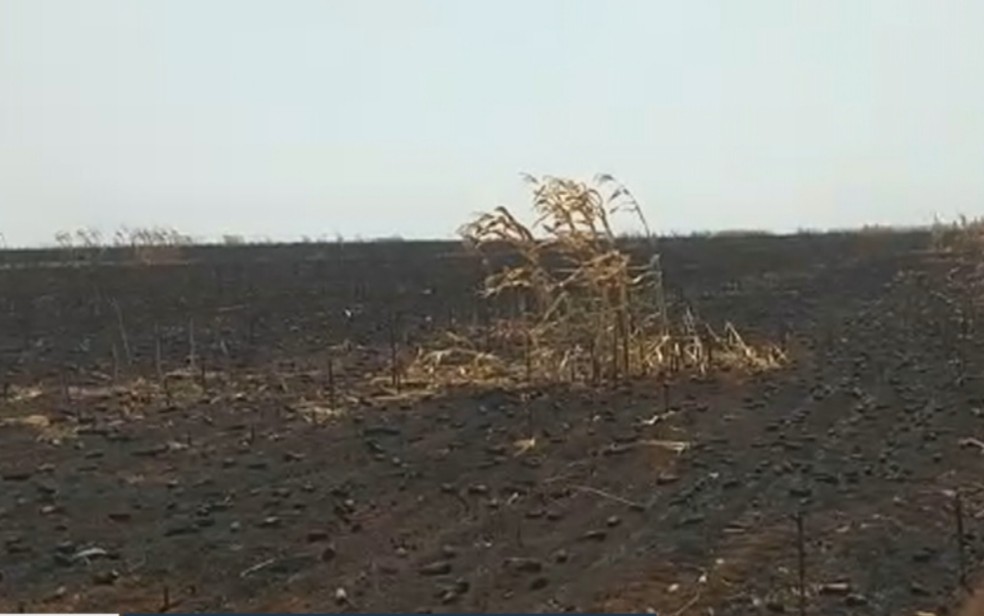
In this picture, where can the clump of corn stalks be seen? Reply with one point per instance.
(153, 245)
(147, 245)
(583, 310)
(965, 235)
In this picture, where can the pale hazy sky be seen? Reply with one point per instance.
(378, 117)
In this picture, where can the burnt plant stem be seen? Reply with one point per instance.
(202, 377)
(961, 539)
(226, 357)
(624, 334)
(116, 362)
(123, 337)
(594, 363)
(191, 344)
(331, 383)
(486, 329)
(529, 421)
(528, 356)
(5, 383)
(63, 379)
(615, 345)
(394, 365)
(167, 392)
(801, 561)
(158, 360)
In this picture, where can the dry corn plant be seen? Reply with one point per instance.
(83, 244)
(148, 245)
(153, 245)
(965, 235)
(584, 310)
(963, 243)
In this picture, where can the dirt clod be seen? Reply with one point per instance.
(441, 567)
(523, 565)
(105, 578)
(835, 589)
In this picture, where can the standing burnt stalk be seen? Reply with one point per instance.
(961, 539)
(394, 351)
(4, 381)
(116, 362)
(66, 391)
(801, 561)
(158, 354)
(124, 339)
(191, 345)
(332, 400)
(202, 375)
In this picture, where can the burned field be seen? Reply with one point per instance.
(251, 429)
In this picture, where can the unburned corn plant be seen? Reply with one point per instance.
(583, 309)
